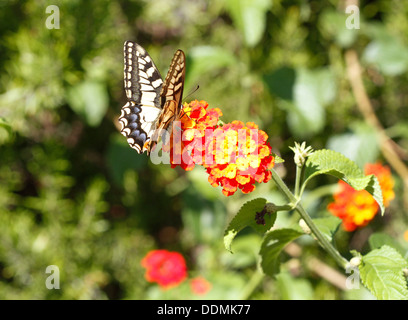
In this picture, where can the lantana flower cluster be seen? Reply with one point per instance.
(235, 155)
(357, 207)
(168, 269)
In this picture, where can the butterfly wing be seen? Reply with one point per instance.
(174, 82)
(171, 94)
(152, 105)
(143, 85)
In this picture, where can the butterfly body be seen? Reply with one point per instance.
(153, 104)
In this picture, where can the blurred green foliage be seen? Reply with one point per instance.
(73, 194)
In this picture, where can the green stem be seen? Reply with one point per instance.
(324, 242)
(274, 208)
(298, 178)
(253, 283)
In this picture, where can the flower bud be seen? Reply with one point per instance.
(301, 153)
(355, 261)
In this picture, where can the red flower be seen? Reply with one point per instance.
(235, 155)
(166, 268)
(358, 208)
(200, 286)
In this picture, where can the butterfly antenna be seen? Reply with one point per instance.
(194, 90)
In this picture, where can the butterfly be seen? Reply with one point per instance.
(152, 104)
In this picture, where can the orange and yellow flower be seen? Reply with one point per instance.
(358, 208)
(241, 157)
(235, 155)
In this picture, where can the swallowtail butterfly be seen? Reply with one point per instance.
(152, 105)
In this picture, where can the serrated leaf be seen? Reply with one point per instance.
(246, 217)
(381, 271)
(272, 246)
(328, 226)
(335, 164)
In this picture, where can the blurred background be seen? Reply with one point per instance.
(73, 194)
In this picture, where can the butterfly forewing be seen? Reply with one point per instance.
(143, 82)
(173, 84)
(152, 104)
(171, 94)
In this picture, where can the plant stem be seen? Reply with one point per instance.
(298, 178)
(324, 242)
(275, 208)
(252, 284)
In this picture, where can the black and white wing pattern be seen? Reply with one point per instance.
(152, 104)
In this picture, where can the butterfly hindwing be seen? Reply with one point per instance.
(151, 104)
(138, 124)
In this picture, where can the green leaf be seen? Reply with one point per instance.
(6, 131)
(312, 91)
(89, 99)
(305, 93)
(335, 164)
(381, 272)
(360, 145)
(328, 226)
(278, 159)
(379, 239)
(281, 82)
(272, 245)
(332, 25)
(246, 217)
(246, 249)
(292, 288)
(203, 59)
(386, 51)
(121, 158)
(250, 18)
